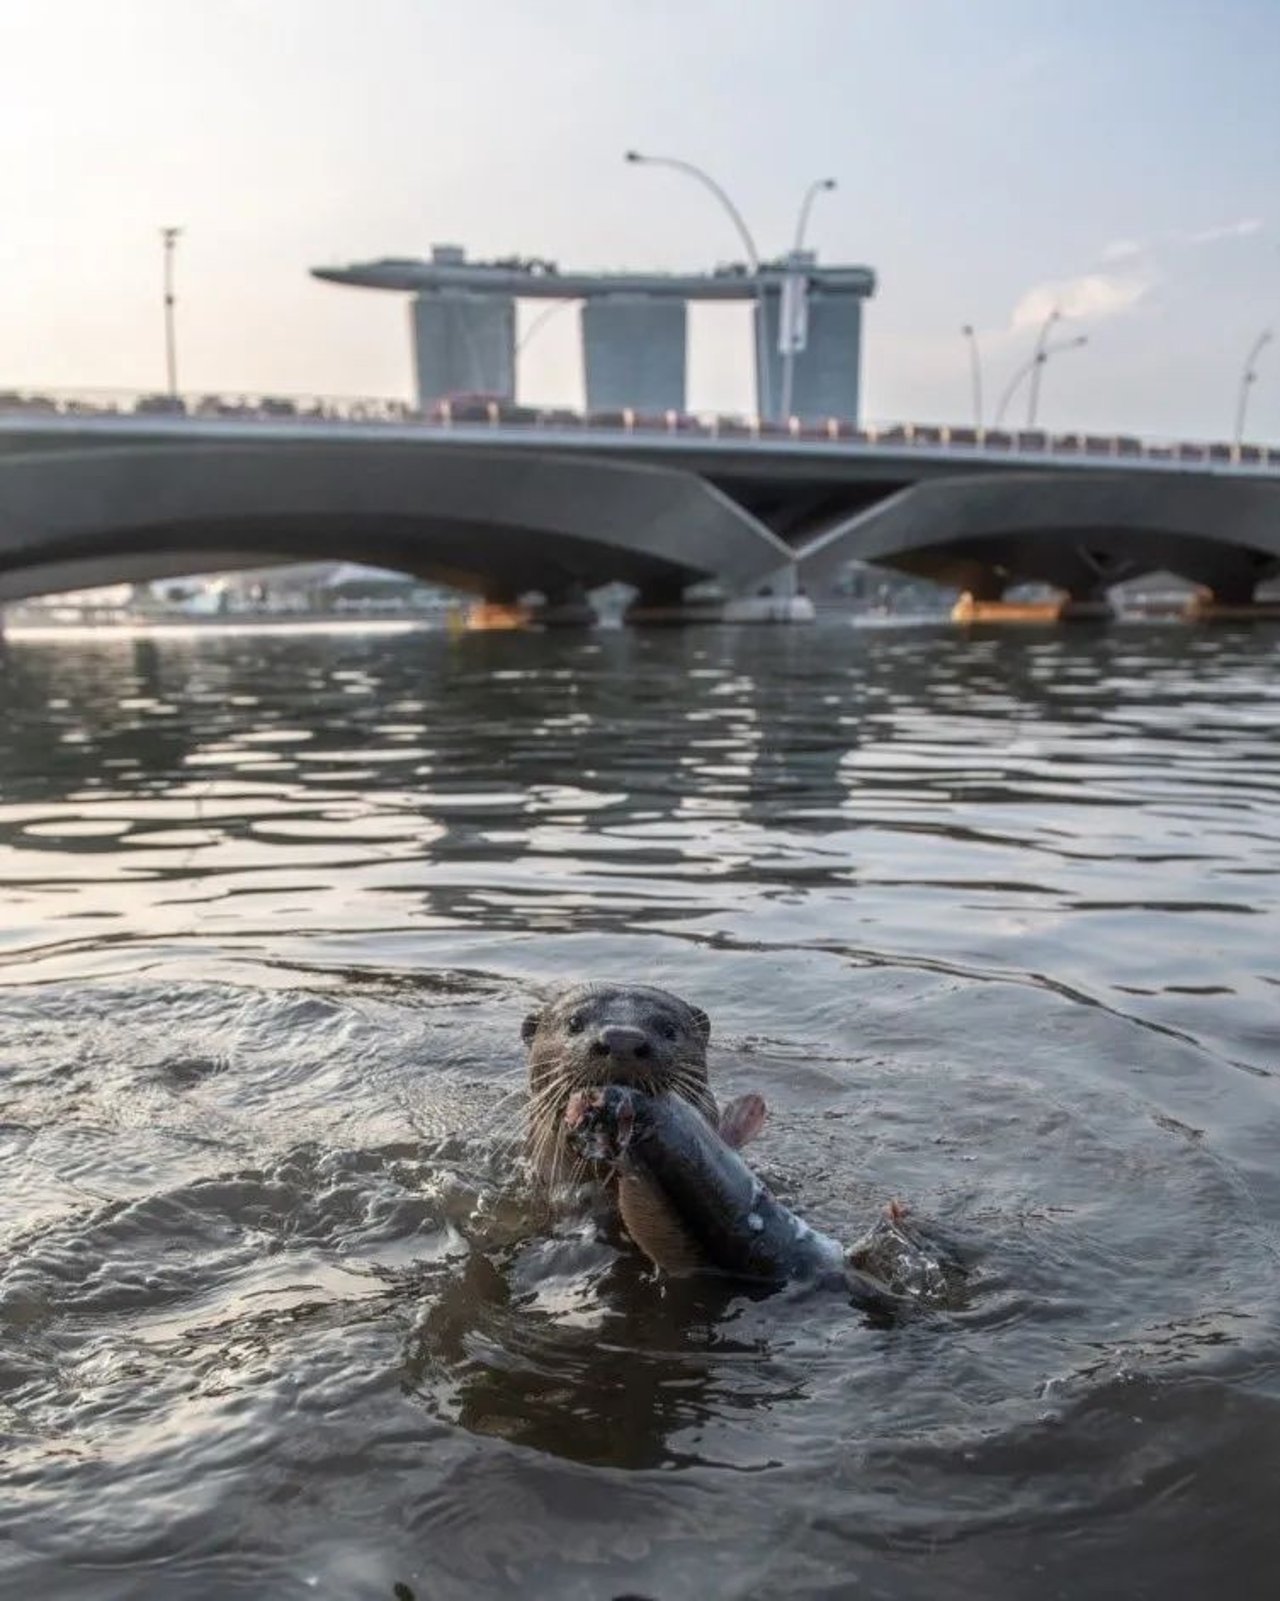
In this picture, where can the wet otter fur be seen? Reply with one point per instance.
(593, 1034)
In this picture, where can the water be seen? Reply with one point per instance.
(993, 922)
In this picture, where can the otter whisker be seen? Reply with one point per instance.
(548, 1094)
(547, 1098)
(527, 1131)
(510, 1106)
(592, 1035)
(519, 1075)
(688, 1085)
(534, 1102)
(511, 1135)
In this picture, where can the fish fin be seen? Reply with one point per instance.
(652, 1222)
(742, 1119)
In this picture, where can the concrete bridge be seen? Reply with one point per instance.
(506, 501)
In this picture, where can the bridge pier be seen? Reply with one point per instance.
(777, 599)
(768, 608)
(1229, 603)
(1086, 609)
(565, 608)
(664, 606)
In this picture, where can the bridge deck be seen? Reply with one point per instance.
(502, 501)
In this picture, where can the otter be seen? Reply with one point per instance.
(653, 1045)
(594, 1034)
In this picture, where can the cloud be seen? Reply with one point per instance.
(1095, 295)
(1130, 249)
(1227, 230)
(1122, 250)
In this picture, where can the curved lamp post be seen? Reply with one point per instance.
(975, 371)
(817, 187)
(764, 404)
(1039, 360)
(1037, 367)
(1248, 378)
(545, 315)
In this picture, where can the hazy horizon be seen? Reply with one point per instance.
(993, 160)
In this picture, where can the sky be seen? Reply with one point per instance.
(1119, 161)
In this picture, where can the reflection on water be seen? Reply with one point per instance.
(992, 921)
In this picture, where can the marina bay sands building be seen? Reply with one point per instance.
(634, 327)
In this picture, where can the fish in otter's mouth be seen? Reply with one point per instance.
(683, 1176)
(692, 1204)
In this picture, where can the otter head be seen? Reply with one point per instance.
(595, 1034)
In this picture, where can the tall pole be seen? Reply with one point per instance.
(1034, 365)
(1248, 378)
(170, 238)
(788, 334)
(975, 371)
(1037, 366)
(763, 398)
(545, 315)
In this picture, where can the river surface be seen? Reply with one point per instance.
(993, 922)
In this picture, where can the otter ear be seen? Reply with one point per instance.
(530, 1027)
(701, 1022)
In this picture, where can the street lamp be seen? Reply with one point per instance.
(1033, 396)
(790, 302)
(975, 368)
(1039, 360)
(545, 315)
(817, 187)
(1248, 378)
(169, 236)
(763, 400)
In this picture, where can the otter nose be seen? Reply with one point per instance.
(622, 1044)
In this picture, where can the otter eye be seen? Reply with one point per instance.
(667, 1030)
(576, 1023)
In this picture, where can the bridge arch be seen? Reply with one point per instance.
(514, 521)
(1081, 534)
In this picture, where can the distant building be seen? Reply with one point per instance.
(827, 366)
(464, 343)
(634, 353)
(634, 327)
(295, 588)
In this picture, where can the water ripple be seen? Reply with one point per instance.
(992, 922)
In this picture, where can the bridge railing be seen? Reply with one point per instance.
(234, 407)
(473, 411)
